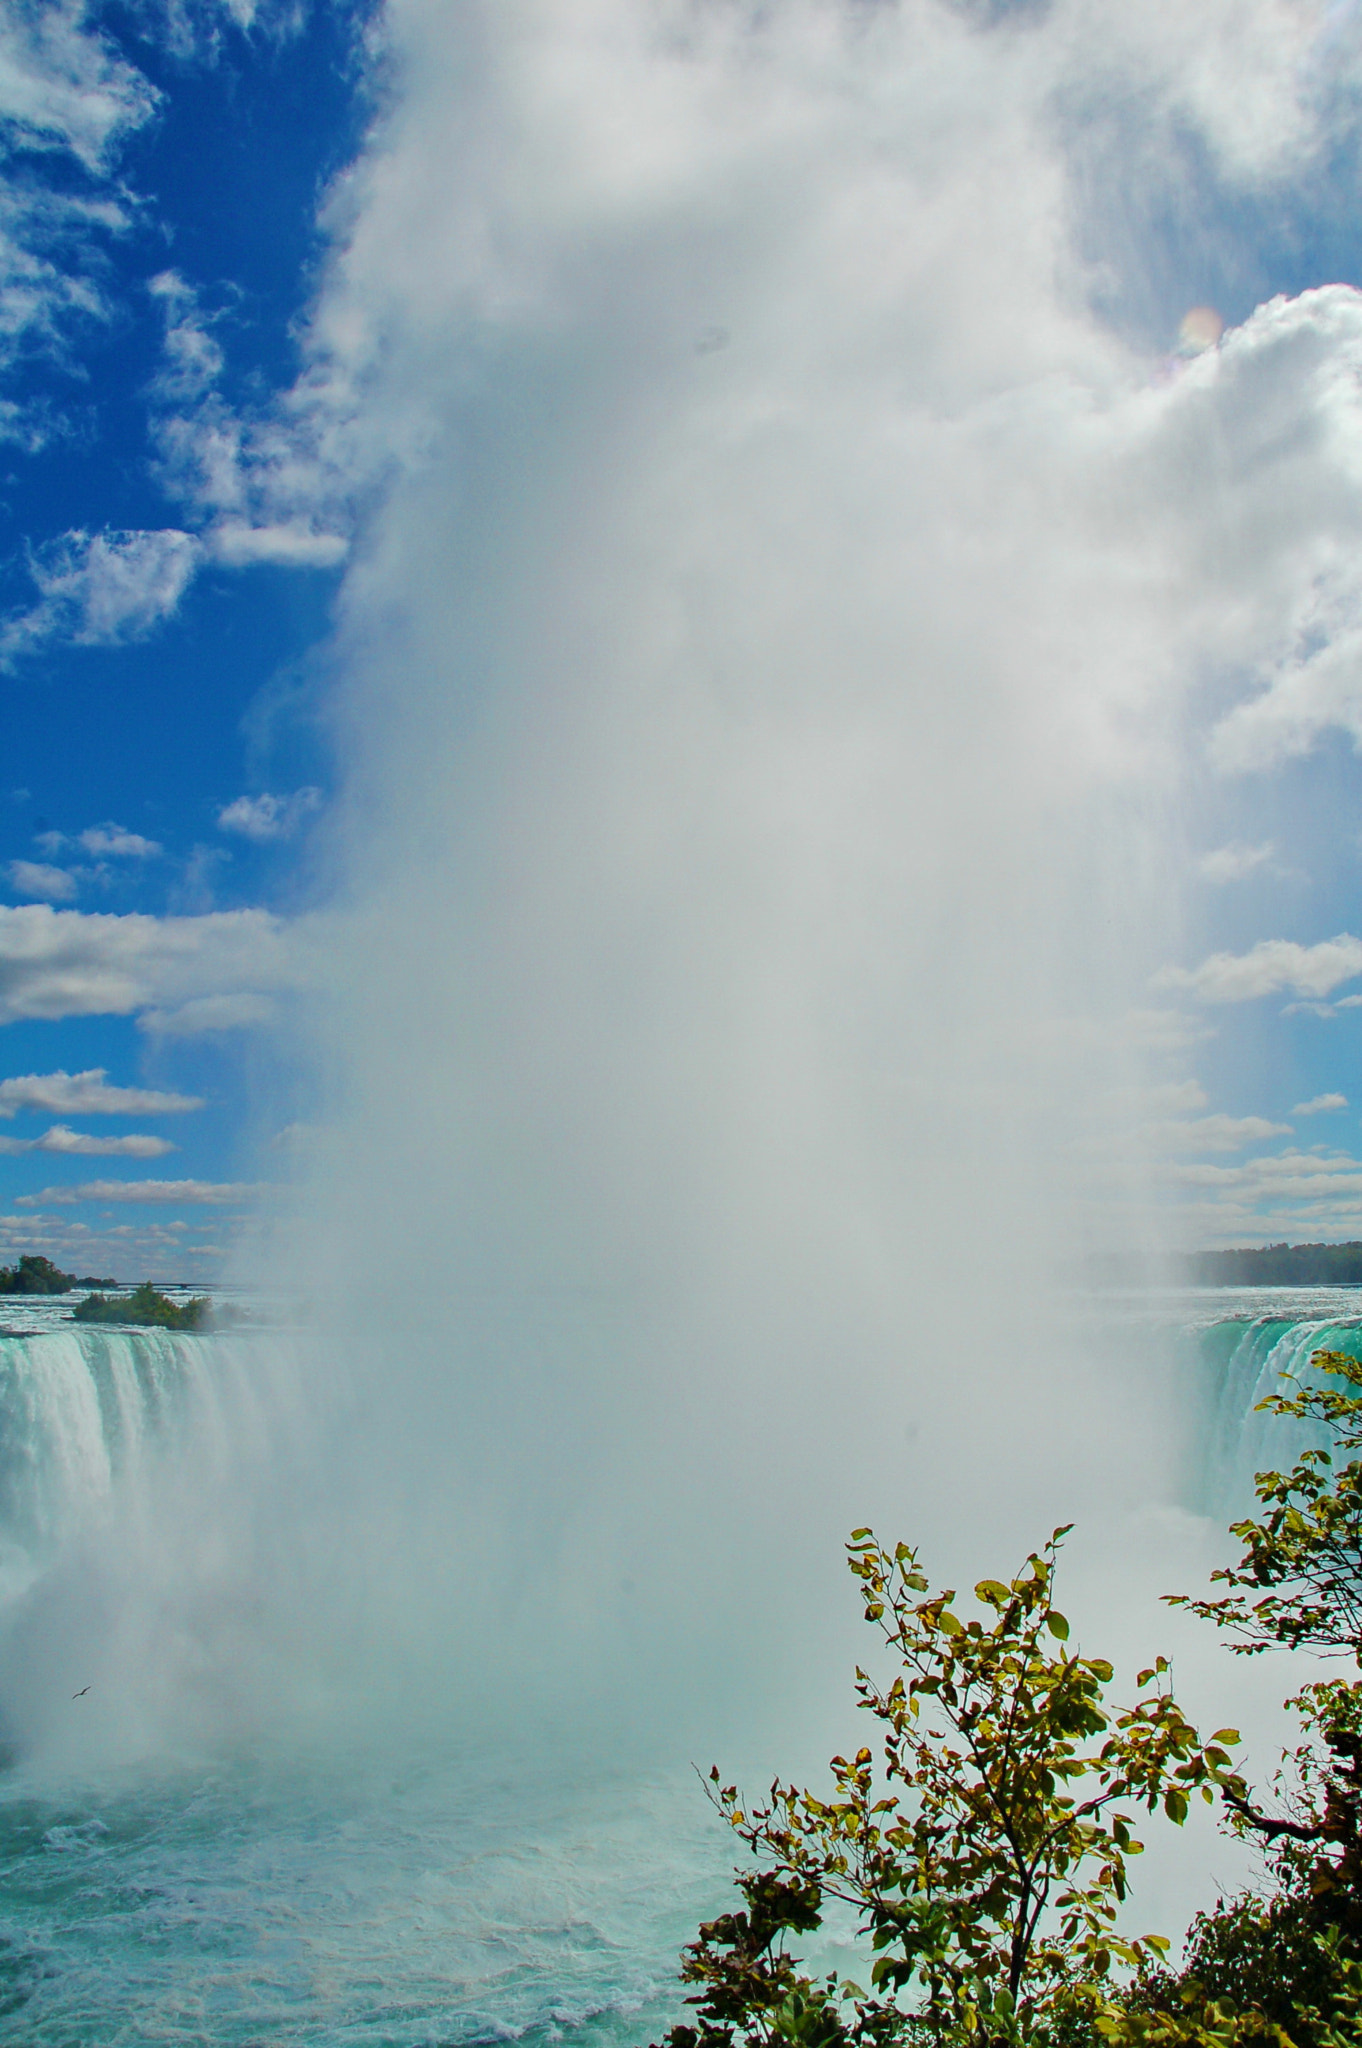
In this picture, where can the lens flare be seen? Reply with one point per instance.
(1200, 329)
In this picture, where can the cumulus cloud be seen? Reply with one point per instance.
(60, 1138)
(37, 879)
(213, 1194)
(66, 963)
(267, 817)
(1319, 1103)
(1232, 863)
(88, 1094)
(1269, 967)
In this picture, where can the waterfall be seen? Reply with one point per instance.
(1243, 1360)
(133, 1478)
(81, 1411)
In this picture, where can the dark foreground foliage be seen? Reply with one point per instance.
(983, 1845)
(144, 1307)
(36, 1275)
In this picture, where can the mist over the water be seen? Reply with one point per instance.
(772, 693)
(764, 697)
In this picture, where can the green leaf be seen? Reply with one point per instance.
(1058, 1626)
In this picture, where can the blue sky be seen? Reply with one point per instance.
(165, 752)
(188, 467)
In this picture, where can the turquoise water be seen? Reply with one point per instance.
(242, 1888)
(251, 1903)
(1238, 1358)
(239, 1885)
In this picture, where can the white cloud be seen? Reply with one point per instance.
(108, 840)
(193, 359)
(277, 496)
(268, 817)
(266, 486)
(64, 91)
(117, 842)
(206, 1014)
(292, 545)
(1271, 965)
(1232, 863)
(60, 1138)
(1298, 1172)
(150, 1247)
(63, 85)
(1213, 1133)
(100, 589)
(88, 1094)
(214, 1194)
(1319, 1103)
(1293, 1195)
(35, 878)
(65, 963)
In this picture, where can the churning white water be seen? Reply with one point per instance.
(307, 1880)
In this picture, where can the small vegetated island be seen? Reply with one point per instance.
(36, 1275)
(146, 1308)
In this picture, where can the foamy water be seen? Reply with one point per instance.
(259, 1890)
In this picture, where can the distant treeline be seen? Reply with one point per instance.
(34, 1275)
(1278, 1265)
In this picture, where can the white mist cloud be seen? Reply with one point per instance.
(1319, 1103)
(757, 755)
(88, 1094)
(66, 963)
(752, 851)
(204, 1014)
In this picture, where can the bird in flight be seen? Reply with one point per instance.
(81, 1694)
